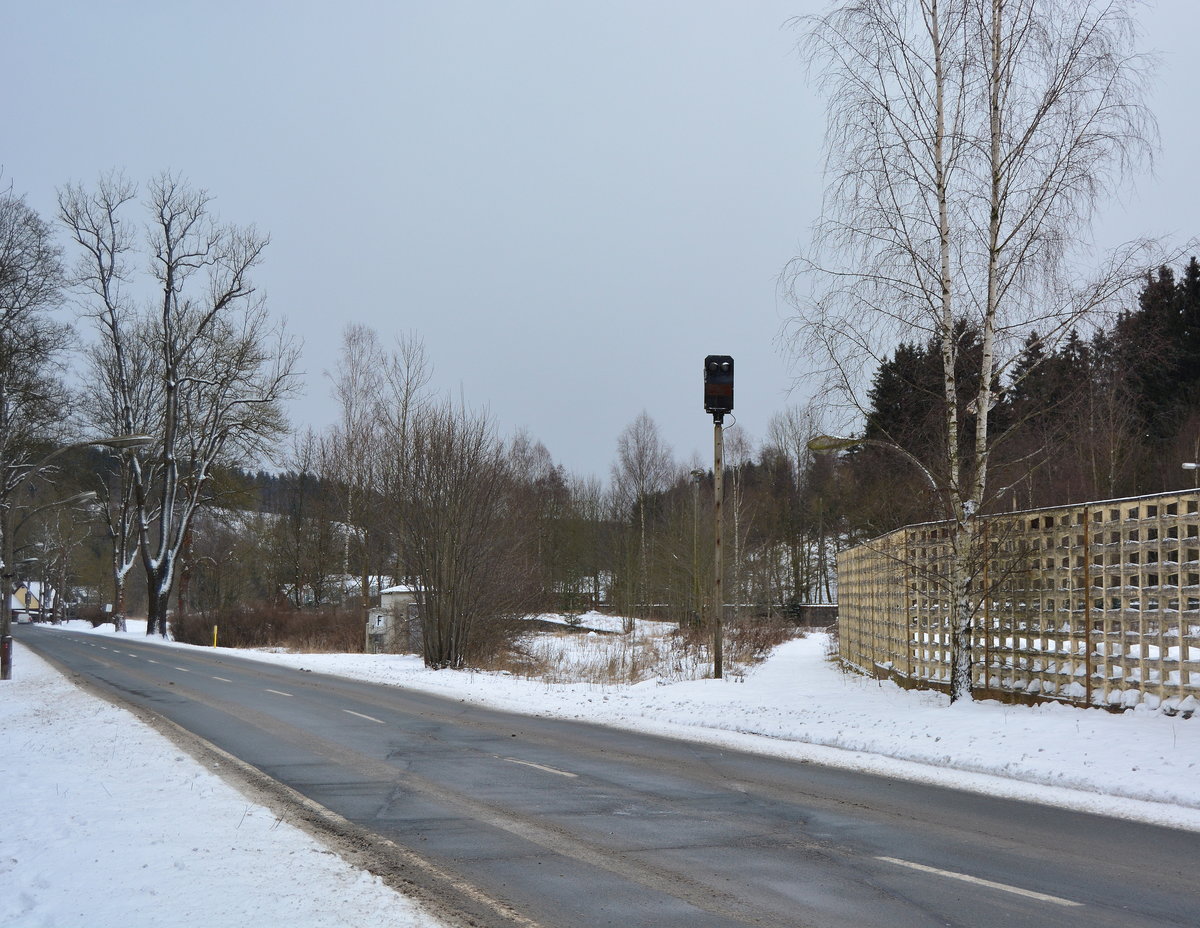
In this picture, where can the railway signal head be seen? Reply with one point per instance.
(718, 384)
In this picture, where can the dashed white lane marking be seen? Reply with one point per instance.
(222, 679)
(279, 693)
(148, 661)
(183, 670)
(525, 763)
(369, 718)
(966, 878)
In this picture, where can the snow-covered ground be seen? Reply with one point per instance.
(101, 794)
(106, 824)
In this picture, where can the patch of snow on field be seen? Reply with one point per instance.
(106, 823)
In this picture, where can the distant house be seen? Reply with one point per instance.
(26, 601)
(335, 588)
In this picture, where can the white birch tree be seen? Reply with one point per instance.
(358, 387)
(968, 145)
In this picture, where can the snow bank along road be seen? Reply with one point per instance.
(539, 822)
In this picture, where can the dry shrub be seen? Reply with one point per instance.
(750, 642)
(605, 660)
(93, 613)
(833, 647)
(494, 643)
(513, 657)
(327, 630)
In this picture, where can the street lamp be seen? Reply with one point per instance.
(7, 526)
(828, 444)
(1194, 466)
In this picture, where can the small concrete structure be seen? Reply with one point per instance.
(395, 626)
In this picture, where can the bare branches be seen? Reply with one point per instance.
(30, 270)
(456, 526)
(969, 142)
(1036, 106)
(204, 368)
(33, 401)
(645, 466)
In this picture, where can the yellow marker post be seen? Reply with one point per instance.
(214, 636)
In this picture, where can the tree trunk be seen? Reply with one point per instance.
(962, 552)
(158, 600)
(119, 604)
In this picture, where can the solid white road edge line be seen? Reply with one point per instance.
(1003, 887)
(525, 763)
(369, 718)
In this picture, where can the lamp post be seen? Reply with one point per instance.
(8, 526)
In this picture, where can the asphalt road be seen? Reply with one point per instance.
(566, 825)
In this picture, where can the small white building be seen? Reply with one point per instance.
(395, 627)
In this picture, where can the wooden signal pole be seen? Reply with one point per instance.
(718, 499)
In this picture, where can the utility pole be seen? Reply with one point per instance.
(718, 400)
(719, 561)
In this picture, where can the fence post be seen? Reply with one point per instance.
(1087, 604)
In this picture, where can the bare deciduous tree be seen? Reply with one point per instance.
(968, 144)
(458, 531)
(380, 393)
(30, 281)
(303, 544)
(406, 374)
(807, 530)
(218, 364)
(590, 540)
(739, 452)
(645, 466)
(32, 398)
(112, 410)
(355, 440)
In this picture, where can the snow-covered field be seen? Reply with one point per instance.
(104, 802)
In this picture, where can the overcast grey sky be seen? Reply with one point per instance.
(571, 202)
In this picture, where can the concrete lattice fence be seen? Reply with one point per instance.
(1094, 604)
